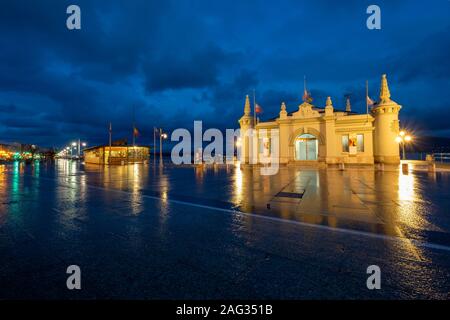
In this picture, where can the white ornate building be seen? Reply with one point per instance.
(324, 135)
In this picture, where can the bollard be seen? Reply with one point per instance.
(431, 167)
(405, 168)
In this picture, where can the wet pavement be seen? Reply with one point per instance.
(151, 232)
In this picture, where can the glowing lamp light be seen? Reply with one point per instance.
(74, 144)
(402, 139)
(164, 135)
(238, 142)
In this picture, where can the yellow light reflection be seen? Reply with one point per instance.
(406, 185)
(136, 198)
(412, 207)
(238, 185)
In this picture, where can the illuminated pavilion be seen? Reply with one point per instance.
(116, 155)
(324, 135)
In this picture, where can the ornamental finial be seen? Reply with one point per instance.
(348, 106)
(247, 106)
(385, 95)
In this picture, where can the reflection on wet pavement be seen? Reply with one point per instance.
(67, 210)
(390, 202)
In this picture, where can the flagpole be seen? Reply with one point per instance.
(254, 107)
(367, 100)
(367, 95)
(304, 84)
(305, 95)
(110, 142)
(154, 144)
(134, 126)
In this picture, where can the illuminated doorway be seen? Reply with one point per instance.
(306, 147)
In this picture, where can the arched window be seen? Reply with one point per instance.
(306, 147)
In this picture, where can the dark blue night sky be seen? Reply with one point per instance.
(179, 61)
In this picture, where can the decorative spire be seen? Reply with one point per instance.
(247, 106)
(329, 107)
(385, 95)
(348, 106)
(283, 112)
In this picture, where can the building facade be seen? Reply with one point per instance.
(313, 135)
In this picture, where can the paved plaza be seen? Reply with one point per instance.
(151, 232)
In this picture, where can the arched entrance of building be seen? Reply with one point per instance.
(306, 147)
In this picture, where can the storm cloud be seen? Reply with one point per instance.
(174, 62)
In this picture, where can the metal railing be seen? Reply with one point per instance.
(441, 157)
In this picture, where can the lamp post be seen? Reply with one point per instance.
(74, 144)
(78, 145)
(402, 139)
(161, 137)
(154, 143)
(83, 144)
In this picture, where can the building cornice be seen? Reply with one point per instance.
(351, 129)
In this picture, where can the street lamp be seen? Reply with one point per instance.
(78, 145)
(161, 137)
(402, 139)
(67, 151)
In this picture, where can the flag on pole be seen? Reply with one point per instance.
(369, 102)
(254, 107)
(135, 132)
(306, 96)
(258, 108)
